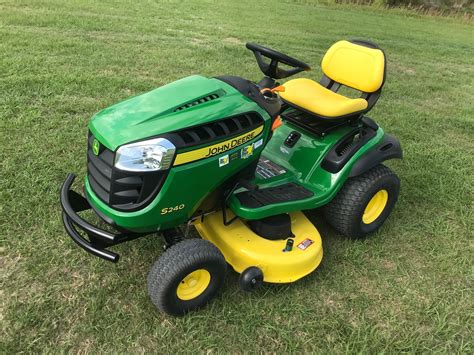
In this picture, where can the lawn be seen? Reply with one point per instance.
(406, 288)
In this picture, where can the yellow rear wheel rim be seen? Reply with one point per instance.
(375, 207)
(193, 285)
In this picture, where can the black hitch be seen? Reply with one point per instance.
(99, 239)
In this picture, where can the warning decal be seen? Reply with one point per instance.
(305, 244)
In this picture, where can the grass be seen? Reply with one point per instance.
(406, 289)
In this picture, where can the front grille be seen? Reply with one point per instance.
(218, 130)
(129, 191)
(122, 190)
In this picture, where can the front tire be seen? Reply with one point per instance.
(186, 277)
(364, 202)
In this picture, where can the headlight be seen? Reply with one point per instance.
(151, 155)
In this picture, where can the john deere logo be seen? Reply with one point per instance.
(95, 146)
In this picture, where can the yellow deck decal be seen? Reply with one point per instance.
(218, 148)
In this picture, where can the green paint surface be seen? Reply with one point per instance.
(302, 165)
(155, 112)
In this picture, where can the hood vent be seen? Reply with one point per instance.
(198, 102)
(219, 130)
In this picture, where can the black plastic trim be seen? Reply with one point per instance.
(276, 227)
(208, 132)
(338, 156)
(292, 138)
(307, 121)
(273, 195)
(251, 90)
(388, 148)
(267, 83)
(122, 190)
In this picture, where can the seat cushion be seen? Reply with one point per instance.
(355, 65)
(313, 97)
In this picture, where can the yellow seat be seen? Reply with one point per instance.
(359, 65)
(311, 96)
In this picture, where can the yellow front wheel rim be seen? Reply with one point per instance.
(193, 285)
(375, 207)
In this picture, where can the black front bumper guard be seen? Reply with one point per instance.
(99, 239)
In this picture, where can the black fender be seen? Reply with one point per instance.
(388, 148)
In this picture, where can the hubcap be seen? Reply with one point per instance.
(193, 284)
(375, 207)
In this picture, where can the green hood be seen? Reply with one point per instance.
(158, 111)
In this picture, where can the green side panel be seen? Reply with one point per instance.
(302, 163)
(185, 188)
(153, 113)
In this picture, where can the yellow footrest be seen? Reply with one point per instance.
(243, 248)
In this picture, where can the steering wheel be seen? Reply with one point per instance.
(271, 69)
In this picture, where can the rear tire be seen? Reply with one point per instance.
(364, 202)
(186, 277)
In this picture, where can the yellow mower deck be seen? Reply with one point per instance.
(243, 248)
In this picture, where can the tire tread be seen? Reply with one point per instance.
(174, 261)
(342, 213)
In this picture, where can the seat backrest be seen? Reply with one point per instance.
(355, 65)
